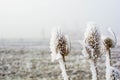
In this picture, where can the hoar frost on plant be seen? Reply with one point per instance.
(91, 47)
(92, 41)
(114, 36)
(59, 44)
(93, 69)
(60, 47)
(53, 42)
(109, 42)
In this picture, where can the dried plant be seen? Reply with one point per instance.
(60, 47)
(108, 42)
(91, 47)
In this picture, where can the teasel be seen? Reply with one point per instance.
(60, 47)
(109, 42)
(91, 47)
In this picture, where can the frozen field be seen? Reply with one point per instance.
(28, 61)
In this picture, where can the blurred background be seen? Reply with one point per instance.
(35, 18)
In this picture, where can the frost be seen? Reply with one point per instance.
(111, 72)
(62, 67)
(114, 39)
(108, 43)
(93, 69)
(91, 47)
(53, 42)
(56, 56)
(92, 40)
(68, 43)
(60, 47)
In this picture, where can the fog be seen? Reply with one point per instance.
(36, 18)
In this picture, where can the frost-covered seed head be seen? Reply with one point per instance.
(109, 42)
(59, 43)
(92, 41)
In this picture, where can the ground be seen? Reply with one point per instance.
(33, 62)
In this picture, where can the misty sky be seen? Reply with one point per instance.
(33, 18)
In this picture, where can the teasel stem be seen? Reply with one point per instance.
(108, 64)
(63, 57)
(93, 68)
(62, 67)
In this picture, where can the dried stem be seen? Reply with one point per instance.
(93, 69)
(62, 66)
(108, 64)
(64, 61)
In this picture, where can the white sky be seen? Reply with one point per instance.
(31, 18)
